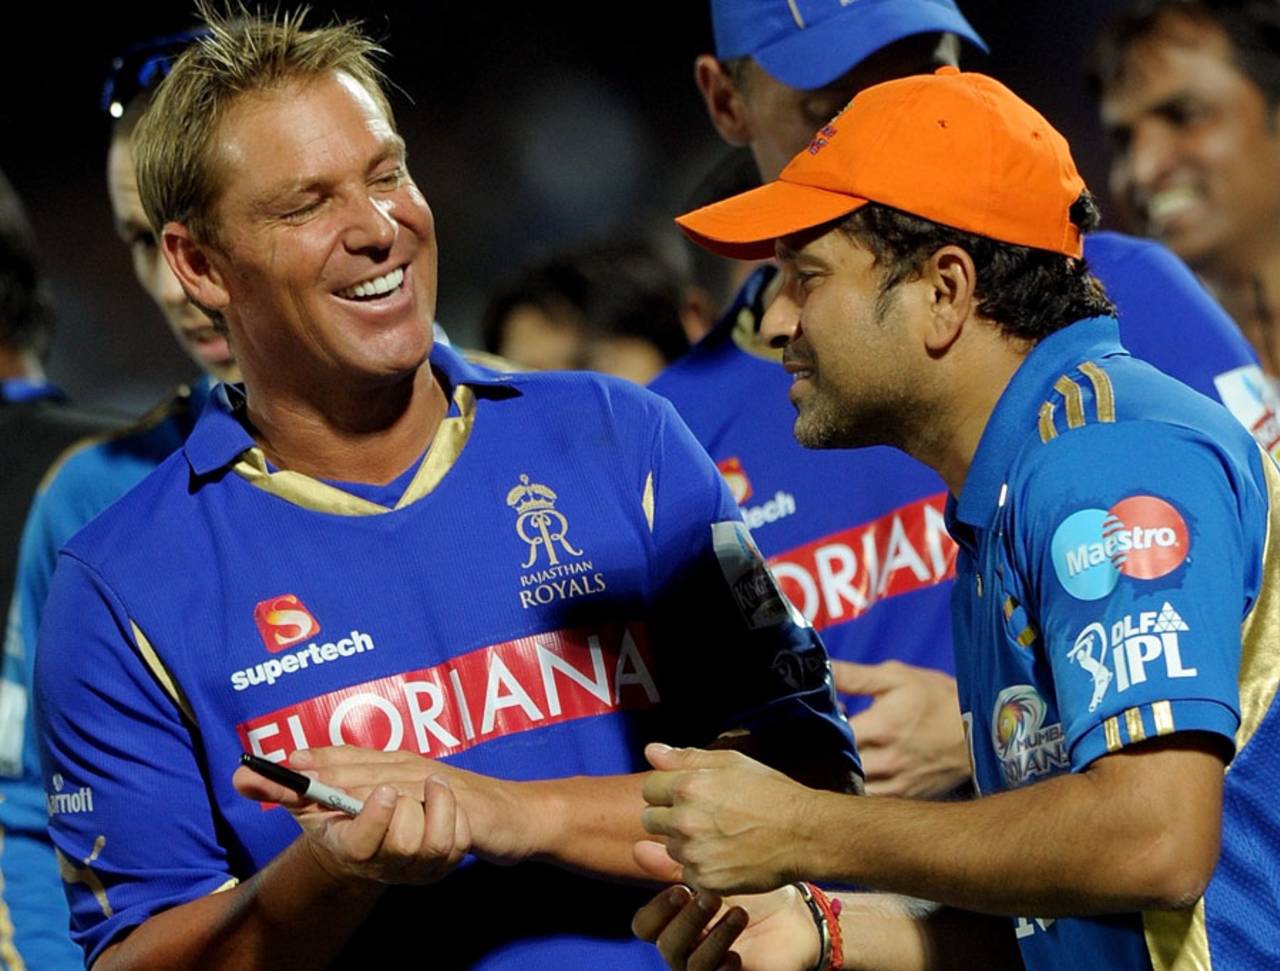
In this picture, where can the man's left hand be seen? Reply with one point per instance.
(735, 825)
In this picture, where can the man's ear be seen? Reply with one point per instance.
(952, 279)
(193, 264)
(725, 104)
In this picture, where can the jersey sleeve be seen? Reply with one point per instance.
(744, 658)
(129, 806)
(1134, 537)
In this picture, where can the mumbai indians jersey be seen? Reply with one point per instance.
(859, 535)
(561, 579)
(1119, 579)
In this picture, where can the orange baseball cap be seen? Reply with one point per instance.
(955, 148)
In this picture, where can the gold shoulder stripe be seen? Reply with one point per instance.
(231, 884)
(1047, 430)
(1009, 606)
(302, 490)
(1073, 397)
(646, 500)
(1162, 715)
(1104, 396)
(1177, 940)
(161, 673)
(1027, 637)
(1260, 632)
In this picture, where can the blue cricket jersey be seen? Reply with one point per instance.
(561, 579)
(856, 537)
(1119, 579)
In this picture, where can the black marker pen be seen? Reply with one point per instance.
(303, 785)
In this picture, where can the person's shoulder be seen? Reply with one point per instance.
(134, 511)
(100, 468)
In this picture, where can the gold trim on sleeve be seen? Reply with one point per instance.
(646, 500)
(71, 873)
(1111, 730)
(1162, 715)
(231, 884)
(1133, 724)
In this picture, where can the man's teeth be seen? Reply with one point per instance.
(1170, 202)
(375, 287)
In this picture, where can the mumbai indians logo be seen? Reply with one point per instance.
(539, 523)
(1140, 537)
(1026, 747)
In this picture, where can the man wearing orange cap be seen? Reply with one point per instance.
(1117, 599)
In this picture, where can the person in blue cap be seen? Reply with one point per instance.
(857, 538)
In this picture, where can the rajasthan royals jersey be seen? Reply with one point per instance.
(858, 535)
(563, 578)
(1119, 580)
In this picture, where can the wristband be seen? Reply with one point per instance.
(825, 912)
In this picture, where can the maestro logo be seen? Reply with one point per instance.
(1140, 537)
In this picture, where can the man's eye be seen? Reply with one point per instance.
(302, 211)
(391, 179)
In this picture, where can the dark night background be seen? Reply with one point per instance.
(530, 125)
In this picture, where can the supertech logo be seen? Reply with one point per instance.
(1123, 653)
(1140, 537)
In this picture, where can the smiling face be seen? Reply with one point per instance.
(325, 262)
(193, 330)
(845, 342)
(1195, 149)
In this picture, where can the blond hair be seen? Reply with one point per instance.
(173, 145)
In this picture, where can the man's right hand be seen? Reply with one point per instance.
(395, 838)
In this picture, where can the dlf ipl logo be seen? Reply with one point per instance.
(283, 621)
(1141, 537)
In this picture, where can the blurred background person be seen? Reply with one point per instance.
(85, 480)
(1189, 92)
(36, 425)
(617, 307)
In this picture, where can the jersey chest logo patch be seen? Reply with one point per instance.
(1140, 537)
(284, 621)
(557, 570)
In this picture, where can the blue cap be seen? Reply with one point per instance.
(809, 43)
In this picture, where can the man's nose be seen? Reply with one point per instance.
(781, 320)
(372, 226)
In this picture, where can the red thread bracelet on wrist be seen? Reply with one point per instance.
(830, 907)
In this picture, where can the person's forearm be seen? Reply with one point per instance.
(588, 823)
(290, 915)
(883, 932)
(1083, 843)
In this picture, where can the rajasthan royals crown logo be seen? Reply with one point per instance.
(539, 523)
